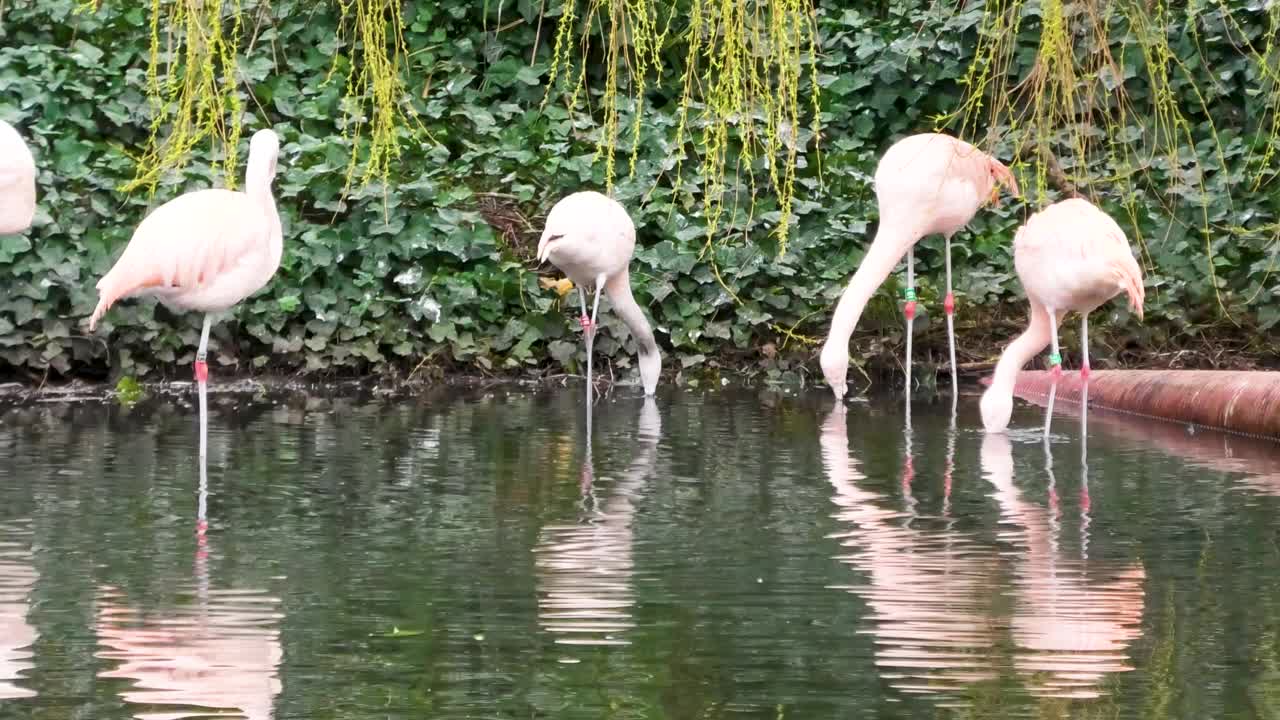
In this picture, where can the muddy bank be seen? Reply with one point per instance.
(878, 371)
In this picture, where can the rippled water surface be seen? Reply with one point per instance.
(736, 553)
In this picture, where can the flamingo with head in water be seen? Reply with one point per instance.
(925, 184)
(591, 239)
(17, 182)
(1069, 256)
(206, 251)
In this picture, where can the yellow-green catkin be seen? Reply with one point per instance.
(198, 98)
(1074, 105)
(375, 85)
(744, 68)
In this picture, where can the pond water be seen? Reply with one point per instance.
(728, 553)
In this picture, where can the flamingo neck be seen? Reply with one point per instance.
(618, 289)
(891, 242)
(1032, 340)
(257, 183)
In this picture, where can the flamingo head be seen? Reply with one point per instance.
(1002, 176)
(266, 145)
(549, 237)
(835, 368)
(997, 407)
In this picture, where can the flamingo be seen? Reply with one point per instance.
(206, 251)
(591, 239)
(1069, 256)
(925, 184)
(17, 182)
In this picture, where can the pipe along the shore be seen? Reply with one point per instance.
(1246, 402)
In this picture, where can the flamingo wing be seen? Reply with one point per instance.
(185, 245)
(1108, 243)
(1072, 249)
(590, 234)
(933, 183)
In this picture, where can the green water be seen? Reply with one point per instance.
(736, 553)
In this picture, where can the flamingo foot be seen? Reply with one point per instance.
(1084, 373)
(949, 304)
(202, 371)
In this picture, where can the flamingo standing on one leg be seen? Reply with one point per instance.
(925, 184)
(17, 182)
(591, 239)
(206, 250)
(1069, 256)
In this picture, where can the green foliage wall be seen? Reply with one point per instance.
(435, 270)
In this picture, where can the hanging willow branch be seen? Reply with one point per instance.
(195, 96)
(373, 26)
(1073, 103)
(744, 67)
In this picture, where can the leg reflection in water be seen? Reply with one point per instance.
(584, 570)
(928, 590)
(221, 653)
(1073, 620)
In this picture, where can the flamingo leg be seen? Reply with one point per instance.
(1056, 360)
(949, 306)
(202, 382)
(590, 328)
(909, 309)
(1084, 346)
(1084, 471)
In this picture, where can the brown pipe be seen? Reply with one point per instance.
(1246, 402)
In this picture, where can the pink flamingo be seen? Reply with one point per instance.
(206, 251)
(591, 239)
(17, 182)
(925, 184)
(1069, 256)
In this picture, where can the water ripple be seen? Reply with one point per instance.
(928, 590)
(585, 569)
(17, 578)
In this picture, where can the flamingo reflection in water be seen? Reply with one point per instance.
(17, 636)
(585, 569)
(1070, 628)
(221, 654)
(929, 590)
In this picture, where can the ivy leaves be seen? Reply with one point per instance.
(434, 268)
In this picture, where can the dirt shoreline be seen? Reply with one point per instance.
(389, 386)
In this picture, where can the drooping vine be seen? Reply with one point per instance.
(1071, 117)
(194, 96)
(745, 64)
(374, 30)
(195, 88)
